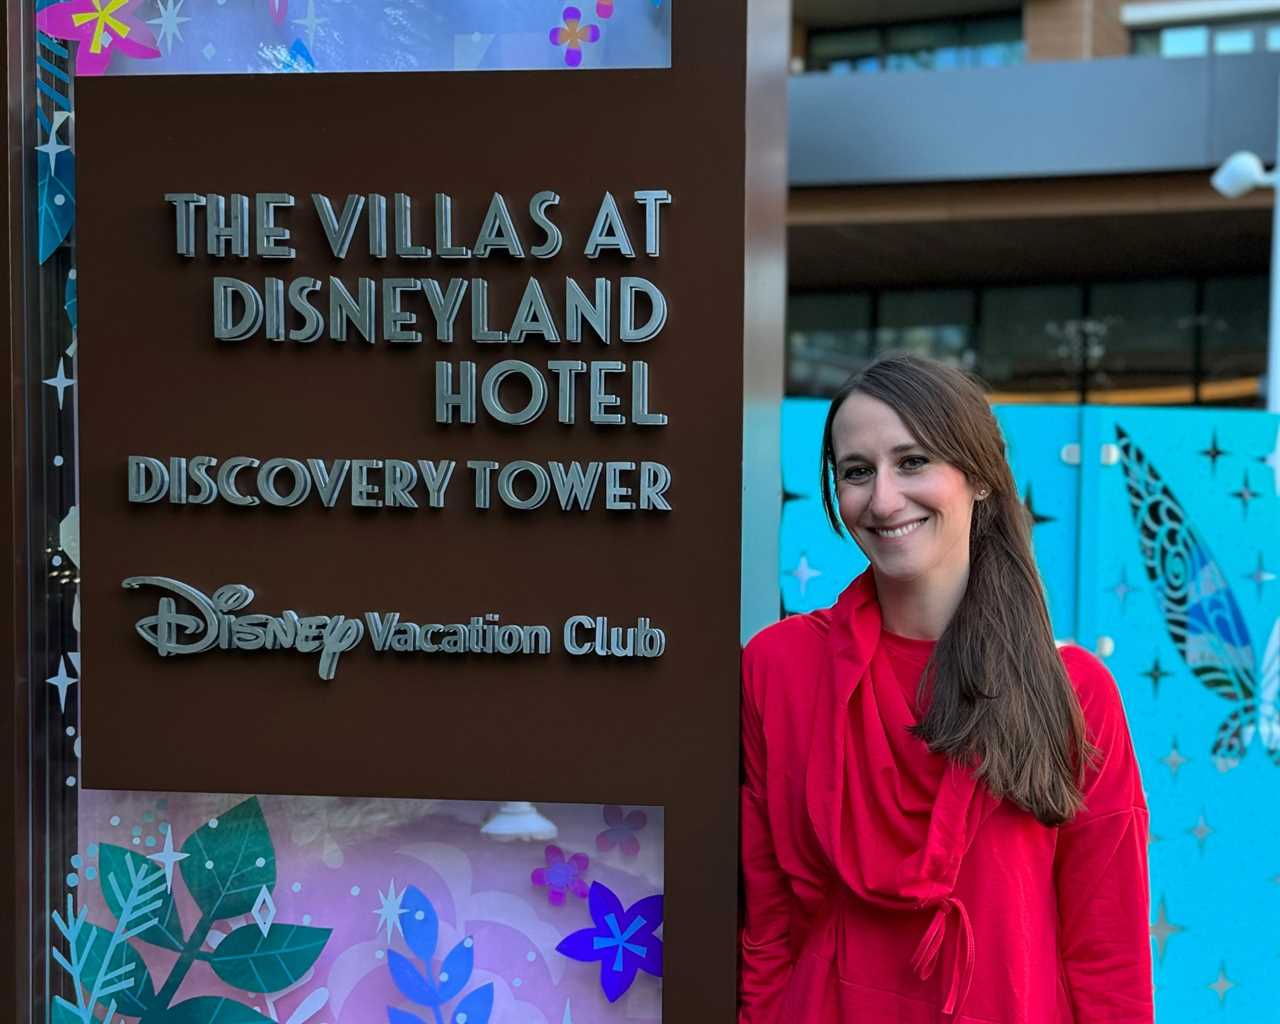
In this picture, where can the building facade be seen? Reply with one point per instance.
(1024, 190)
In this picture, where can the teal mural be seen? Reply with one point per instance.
(1155, 531)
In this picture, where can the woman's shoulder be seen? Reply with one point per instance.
(1095, 687)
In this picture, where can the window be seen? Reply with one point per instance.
(1160, 341)
(1224, 39)
(920, 46)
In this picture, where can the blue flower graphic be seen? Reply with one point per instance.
(622, 940)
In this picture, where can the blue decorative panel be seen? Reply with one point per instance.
(197, 37)
(1181, 506)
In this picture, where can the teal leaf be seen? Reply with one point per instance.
(234, 848)
(419, 924)
(455, 972)
(475, 1009)
(255, 962)
(212, 1010)
(120, 976)
(63, 1012)
(55, 200)
(115, 879)
(69, 302)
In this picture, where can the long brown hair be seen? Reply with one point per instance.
(1000, 699)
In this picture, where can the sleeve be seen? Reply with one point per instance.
(1100, 868)
(765, 935)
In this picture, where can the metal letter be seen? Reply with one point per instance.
(616, 493)
(267, 482)
(507, 491)
(576, 306)
(268, 234)
(533, 316)
(227, 480)
(273, 287)
(497, 231)
(338, 232)
(483, 469)
(464, 400)
(436, 477)
(312, 322)
(401, 478)
(378, 225)
(362, 492)
(640, 414)
(480, 331)
(405, 247)
(653, 200)
(148, 479)
(489, 392)
(445, 248)
(343, 308)
(224, 291)
(601, 399)
(538, 206)
(218, 232)
(444, 306)
(185, 205)
(627, 329)
(566, 370)
(393, 319)
(198, 470)
(655, 478)
(609, 232)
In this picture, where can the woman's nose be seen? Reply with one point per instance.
(886, 497)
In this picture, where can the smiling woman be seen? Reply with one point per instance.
(927, 777)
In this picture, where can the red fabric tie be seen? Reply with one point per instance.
(926, 955)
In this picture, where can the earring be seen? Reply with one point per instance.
(982, 494)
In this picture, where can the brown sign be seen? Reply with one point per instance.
(633, 567)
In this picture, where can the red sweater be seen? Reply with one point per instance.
(884, 884)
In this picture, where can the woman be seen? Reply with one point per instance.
(942, 819)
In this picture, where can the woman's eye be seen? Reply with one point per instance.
(914, 462)
(854, 474)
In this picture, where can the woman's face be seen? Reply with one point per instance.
(907, 511)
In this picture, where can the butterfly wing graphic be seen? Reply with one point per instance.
(1200, 612)
(1268, 713)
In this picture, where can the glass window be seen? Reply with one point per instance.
(857, 50)
(937, 323)
(1233, 353)
(1028, 340)
(828, 338)
(915, 46)
(1146, 44)
(1184, 41)
(1233, 40)
(1141, 351)
(1273, 38)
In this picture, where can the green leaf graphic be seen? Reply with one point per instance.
(112, 864)
(212, 1010)
(242, 861)
(124, 979)
(255, 962)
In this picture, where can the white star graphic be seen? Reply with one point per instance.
(1222, 985)
(1272, 459)
(1162, 928)
(53, 147)
(310, 23)
(61, 382)
(62, 681)
(1201, 831)
(390, 911)
(804, 573)
(168, 857)
(168, 23)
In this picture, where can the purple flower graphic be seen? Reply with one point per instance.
(561, 876)
(621, 831)
(622, 940)
(573, 35)
(101, 28)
